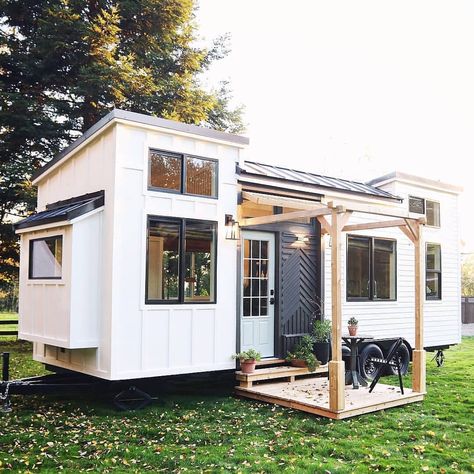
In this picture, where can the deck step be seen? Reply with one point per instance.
(283, 372)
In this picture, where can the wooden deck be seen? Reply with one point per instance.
(312, 396)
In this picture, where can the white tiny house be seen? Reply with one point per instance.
(128, 270)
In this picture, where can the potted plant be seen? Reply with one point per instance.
(352, 326)
(303, 355)
(321, 335)
(248, 360)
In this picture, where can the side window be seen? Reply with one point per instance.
(181, 261)
(46, 258)
(433, 271)
(182, 174)
(432, 213)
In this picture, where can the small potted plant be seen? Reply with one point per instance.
(321, 334)
(352, 326)
(248, 360)
(303, 355)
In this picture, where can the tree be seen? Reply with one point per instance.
(65, 63)
(467, 277)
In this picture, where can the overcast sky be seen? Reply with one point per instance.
(354, 89)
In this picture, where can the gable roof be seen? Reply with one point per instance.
(119, 114)
(311, 180)
(63, 210)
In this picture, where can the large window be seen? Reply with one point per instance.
(433, 272)
(46, 258)
(424, 206)
(182, 173)
(181, 260)
(371, 268)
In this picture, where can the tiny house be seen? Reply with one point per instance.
(158, 249)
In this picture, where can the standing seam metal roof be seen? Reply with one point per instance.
(287, 174)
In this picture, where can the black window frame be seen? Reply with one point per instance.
(425, 201)
(30, 257)
(439, 273)
(371, 297)
(182, 260)
(182, 157)
(410, 197)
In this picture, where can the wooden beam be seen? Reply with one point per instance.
(287, 216)
(374, 225)
(272, 200)
(336, 365)
(419, 354)
(324, 224)
(408, 233)
(388, 211)
(345, 219)
(414, 227)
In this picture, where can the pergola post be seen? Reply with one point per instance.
(336, 365)
(419, 354)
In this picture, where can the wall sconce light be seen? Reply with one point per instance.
(302, 239)
(232, 229)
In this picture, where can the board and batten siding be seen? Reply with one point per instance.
(397, 318)
(163, 339)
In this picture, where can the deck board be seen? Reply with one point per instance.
(312, 396)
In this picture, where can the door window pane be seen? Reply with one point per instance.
(358, 267)
(432, 213)
(165, 171)
(384, 269)
(163, 261)
(201, 176)
(46, 258)
(200, 261)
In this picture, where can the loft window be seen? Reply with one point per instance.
(181, 261)
(182, 174)
(433, 271)
(431, 209)
(46, 258)
(371, 268)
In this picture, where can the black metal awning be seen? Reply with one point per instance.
(64, 210)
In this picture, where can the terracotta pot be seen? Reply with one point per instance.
(352, 330)
(247, 366)
(298, 363)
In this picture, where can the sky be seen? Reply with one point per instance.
(354, 89)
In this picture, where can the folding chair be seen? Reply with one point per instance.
(392, 361)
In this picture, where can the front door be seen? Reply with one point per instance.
(258, 290)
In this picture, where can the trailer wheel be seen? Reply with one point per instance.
(367, 367)
(404, 360)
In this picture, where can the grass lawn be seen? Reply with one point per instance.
(218, 433)
(8, 327)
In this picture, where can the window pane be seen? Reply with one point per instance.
(46, 257)
(433, 285)
(432, 213)
(358, 266)
(384, 269)
(201, 176)
(163, 261)
(200, 261)
(165, 171)
(433, 257)
(416, 204)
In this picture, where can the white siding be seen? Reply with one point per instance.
(397, 318)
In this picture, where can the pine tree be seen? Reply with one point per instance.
(65, 63)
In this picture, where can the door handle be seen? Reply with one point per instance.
(272, 300)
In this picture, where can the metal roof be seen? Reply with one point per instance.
(120, 114)
(63, 210)
(288, 175)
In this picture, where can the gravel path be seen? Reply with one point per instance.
(467, 329)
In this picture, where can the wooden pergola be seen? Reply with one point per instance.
(334, 219)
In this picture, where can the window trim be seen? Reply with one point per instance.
(436, 272)
(30, 257)
(182, 260)
(182, 157)
(371, 298)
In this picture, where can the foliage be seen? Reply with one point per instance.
(209, 430)
(250, 354)
(65, 63)
(352, 321)
(304, 351)
(467, 276)
(321, 330)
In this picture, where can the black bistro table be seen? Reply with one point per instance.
(353, 343)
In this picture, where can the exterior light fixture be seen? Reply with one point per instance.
(302, 239)
(232, 229)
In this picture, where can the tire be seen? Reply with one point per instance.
(367, 369)
(403, 355)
